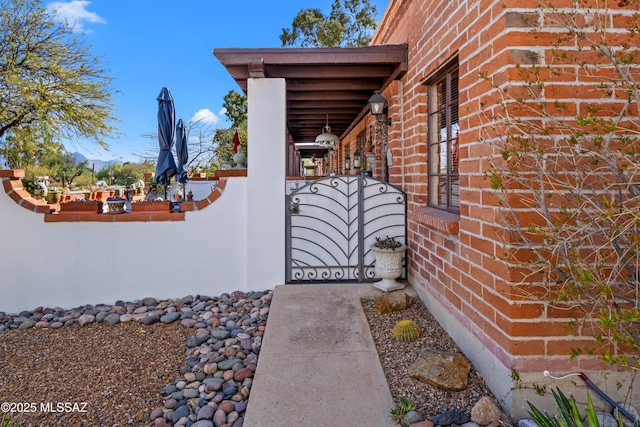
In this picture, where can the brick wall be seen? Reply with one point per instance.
(452, 259)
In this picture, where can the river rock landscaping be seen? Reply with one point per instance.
(178, 362)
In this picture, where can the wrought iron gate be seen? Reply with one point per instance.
(331, 224)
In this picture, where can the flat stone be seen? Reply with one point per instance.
(448, 371)
(392, 302)
(170, 317)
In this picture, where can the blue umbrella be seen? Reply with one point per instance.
(182, 152)
(166, 167)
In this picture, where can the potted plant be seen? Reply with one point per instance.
(389, 253)
(115, 204)
(53, 195)
(190, 195)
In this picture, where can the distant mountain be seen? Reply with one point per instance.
(98, 164)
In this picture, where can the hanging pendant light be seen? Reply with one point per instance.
(326, 138)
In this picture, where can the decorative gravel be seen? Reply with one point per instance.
(117, 370)
(396, 357)
(140, 363)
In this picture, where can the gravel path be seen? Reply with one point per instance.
(396, 357)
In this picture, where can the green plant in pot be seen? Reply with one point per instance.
(53, 195)
(389, 253)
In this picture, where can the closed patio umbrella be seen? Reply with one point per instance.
(166, 167)
(182, 152)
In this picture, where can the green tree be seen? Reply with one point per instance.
(568, 179)
(235, 105)
(350, 24)
(51, 86)
(64, 169)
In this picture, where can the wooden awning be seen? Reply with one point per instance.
(336, 82)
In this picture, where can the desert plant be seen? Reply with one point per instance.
(403, 406)
(406, 330)
(566, 175)
(568, 413)
(8, 421)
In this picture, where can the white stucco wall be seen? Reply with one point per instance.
(76, 263)
(266, 178)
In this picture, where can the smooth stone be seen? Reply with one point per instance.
(150, 301)
(202, 423)
(180, 412)
(412, 417)
(448, 418)
(206, 412)
(189, 323)
(527, 422)
(170, 317)
(241, 406)
(126, 318)
(170, 403)
(112, 319)
(149, 320)
(42, 324)
(605, 420)
(56, 325)
(227, 406)
(190, 393)
(220, 334)
(219, 418)
(101, 316)
(168, 389)
(142, 309)
(228, 364)
(190, 377)
(85, 319)
(628, 408)
(156, 413)
(232, 417)
(27, 324)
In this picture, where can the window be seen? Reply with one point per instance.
(443, 133)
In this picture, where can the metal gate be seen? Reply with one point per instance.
(331, 224)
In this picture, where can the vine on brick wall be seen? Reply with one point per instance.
(567, 172)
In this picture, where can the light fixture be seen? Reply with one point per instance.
(377, 103)
(326, 138)
(347, 162)
(356, 159)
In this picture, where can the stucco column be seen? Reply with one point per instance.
(266, 149)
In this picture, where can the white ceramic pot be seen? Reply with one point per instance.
(389, 267)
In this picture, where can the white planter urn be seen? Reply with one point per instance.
(389, 267)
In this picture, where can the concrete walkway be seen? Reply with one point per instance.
(318, 365)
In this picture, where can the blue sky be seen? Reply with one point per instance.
(148, 44)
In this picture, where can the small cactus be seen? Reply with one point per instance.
(406, 330)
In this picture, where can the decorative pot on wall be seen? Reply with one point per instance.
(389, 267)
(53, 197)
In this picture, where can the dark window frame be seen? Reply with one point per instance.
(442, 139)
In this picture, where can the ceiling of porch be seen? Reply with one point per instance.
(321, 82)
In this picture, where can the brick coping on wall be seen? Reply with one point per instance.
(12, 183)
(447, 222)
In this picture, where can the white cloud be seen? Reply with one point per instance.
(74, 14)
(205, 116)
